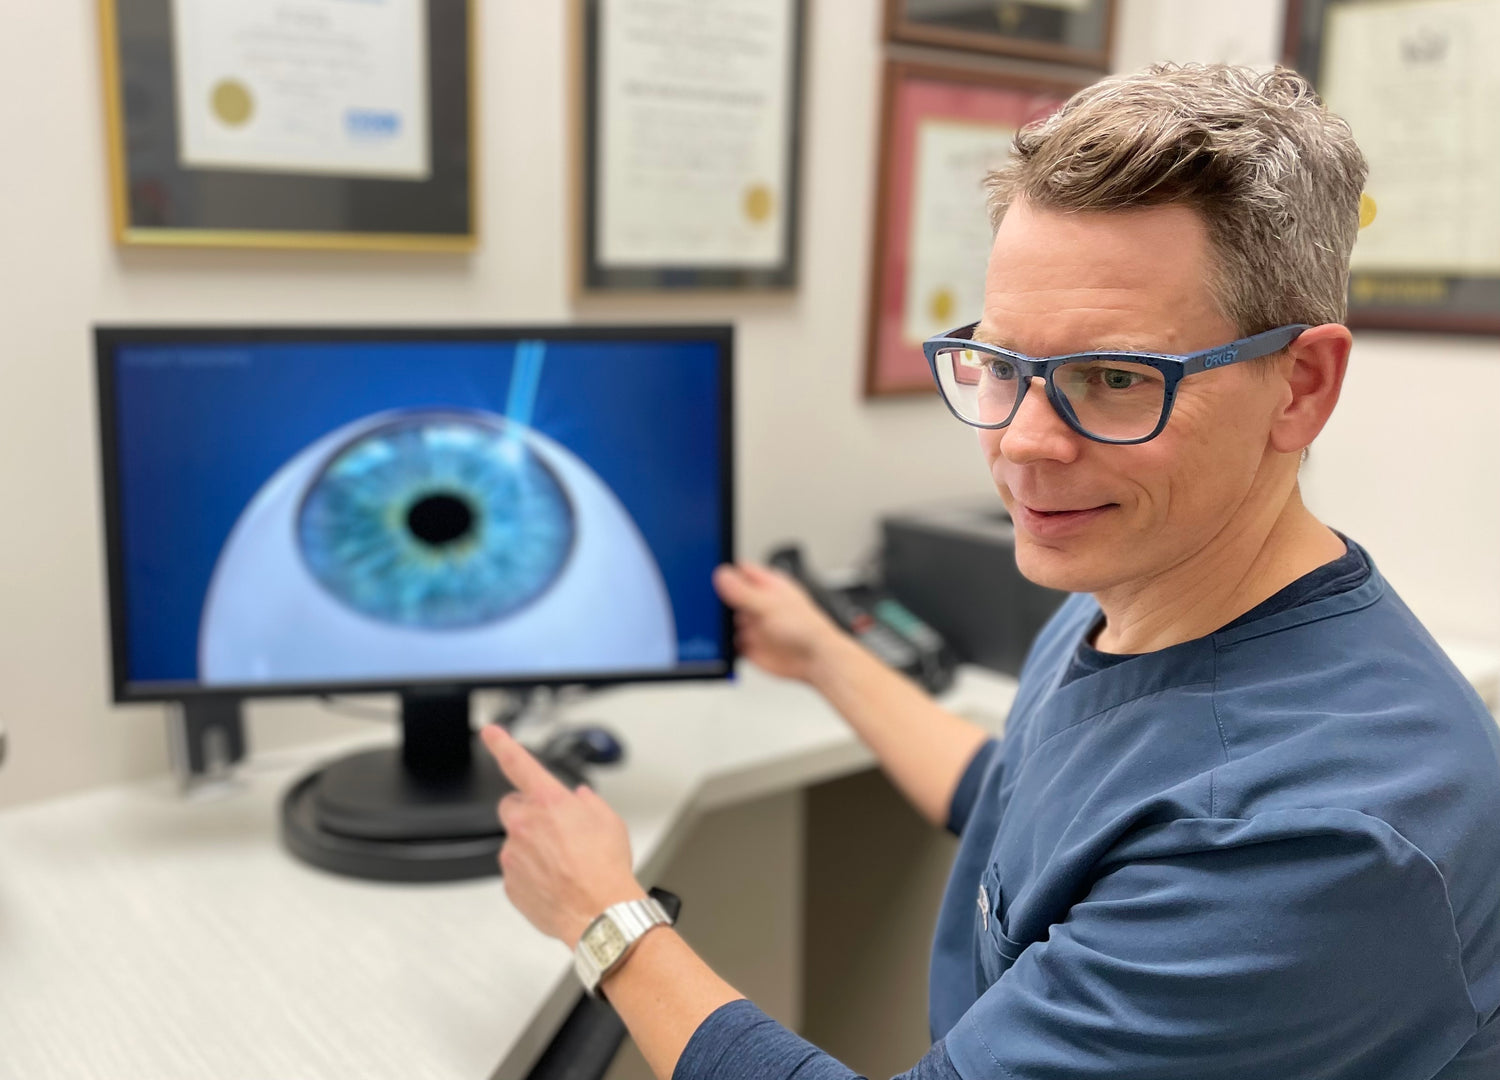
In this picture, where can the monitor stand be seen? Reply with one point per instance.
(423, 811)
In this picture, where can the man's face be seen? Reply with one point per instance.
(1090, 516)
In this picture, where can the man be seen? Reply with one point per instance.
(1245, 819)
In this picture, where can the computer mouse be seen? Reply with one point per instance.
(589, 745)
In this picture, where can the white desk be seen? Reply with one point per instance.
(142, 936)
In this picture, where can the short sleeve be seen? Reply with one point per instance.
(969, 783)
(1306, 943)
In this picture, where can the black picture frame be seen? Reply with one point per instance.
(1030, 31)
(157, 200)
(1441, 302)
(590, 273)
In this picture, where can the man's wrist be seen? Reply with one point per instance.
(830, 660)
(644, 943)
(614, 936)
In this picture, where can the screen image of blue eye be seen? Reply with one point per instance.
(436, 523)
(433, 543)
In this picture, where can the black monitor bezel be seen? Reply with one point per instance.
(109, 338)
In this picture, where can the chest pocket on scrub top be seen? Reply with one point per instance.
(997, 952)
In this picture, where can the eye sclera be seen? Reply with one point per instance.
(266, 619)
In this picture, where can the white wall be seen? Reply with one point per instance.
(816, 462)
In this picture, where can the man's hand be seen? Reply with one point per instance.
(566, 855)
(779, 628)
(921, 746)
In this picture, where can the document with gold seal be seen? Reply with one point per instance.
(692, 112)
(303, 86)
(1418, 83)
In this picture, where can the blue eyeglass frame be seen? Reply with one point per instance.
(1173, 367)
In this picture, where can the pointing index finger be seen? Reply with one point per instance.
(529, 775)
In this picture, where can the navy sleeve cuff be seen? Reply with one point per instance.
(968, 786)
(739, 1042)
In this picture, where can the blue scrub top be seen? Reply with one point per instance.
(1270, 852)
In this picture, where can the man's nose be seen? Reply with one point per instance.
(1036, 432)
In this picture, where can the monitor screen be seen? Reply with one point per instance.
(298, 510)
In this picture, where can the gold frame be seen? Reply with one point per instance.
(126, 234)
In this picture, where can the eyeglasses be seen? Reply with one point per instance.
(1110, 397)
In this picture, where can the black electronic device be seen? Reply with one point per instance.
(205, 738)
(426, 511)
(878, 621)
(585, 746)
(955, 566)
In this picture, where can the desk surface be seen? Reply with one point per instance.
(147, 936)
(144, 935)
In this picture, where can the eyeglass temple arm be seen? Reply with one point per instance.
(1250, 348)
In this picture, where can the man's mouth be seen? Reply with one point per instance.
(1059, 521)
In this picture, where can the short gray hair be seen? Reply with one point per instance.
(1274, 175)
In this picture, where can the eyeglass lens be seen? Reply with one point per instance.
(1110, 398)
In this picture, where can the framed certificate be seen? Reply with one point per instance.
(1078, 32)
(291, 123)
(689, 144)
(942, 130)
(1418, 83)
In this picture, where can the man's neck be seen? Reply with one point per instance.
(1250, 561)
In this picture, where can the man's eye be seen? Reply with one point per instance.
(1003, 370)
(1111, 376)
(1119, 378)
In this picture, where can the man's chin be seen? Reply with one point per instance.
(1056, 567)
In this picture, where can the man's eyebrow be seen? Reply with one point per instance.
(985, 337)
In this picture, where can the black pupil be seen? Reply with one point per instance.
(440, 519)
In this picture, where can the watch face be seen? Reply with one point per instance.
(604, 943)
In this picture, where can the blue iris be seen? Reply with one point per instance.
(436, 521)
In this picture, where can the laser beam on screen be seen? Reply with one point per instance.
(526, 376)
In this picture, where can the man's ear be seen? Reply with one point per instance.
(1314, 368)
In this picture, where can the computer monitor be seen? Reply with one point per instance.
(419, 510)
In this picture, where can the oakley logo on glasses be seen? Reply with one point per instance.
(1220, 357)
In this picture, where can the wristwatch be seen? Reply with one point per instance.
(610, 937)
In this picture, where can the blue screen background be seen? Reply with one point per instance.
(200, 428)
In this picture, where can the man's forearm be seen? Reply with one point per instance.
(664, 991)
(922, 747)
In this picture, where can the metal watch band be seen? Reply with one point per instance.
(632, 919)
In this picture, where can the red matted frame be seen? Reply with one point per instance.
(913, 93)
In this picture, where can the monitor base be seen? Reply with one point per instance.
(364, 817)
(421, 811)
